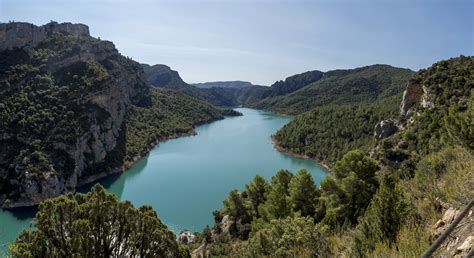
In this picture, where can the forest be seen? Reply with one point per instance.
(73, 107)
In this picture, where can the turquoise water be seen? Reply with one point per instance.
(186, 179)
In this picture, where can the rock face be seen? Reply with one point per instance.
(162, 76)
(386, 128)
(186, 237)
(80, 96)
(415, 94)
(461, 241)
(21, 34)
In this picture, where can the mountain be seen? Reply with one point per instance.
(364, 84)
(224, 84)
(293, 83)
(162, 76)
(64, 101)
(343, 107)
(392, 200)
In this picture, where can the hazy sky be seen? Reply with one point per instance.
(265, 41)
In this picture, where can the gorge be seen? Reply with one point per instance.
(227, 153)
(74, 111)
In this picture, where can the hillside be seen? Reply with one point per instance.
(360, 85)
(162, 76)
(293, 83)
(63, 107)
(392, 200)
(344, 107)
(171, 114)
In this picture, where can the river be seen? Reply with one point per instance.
(186, 179)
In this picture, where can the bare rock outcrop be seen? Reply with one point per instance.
(98, 143)
(461, 240)
(386, 128)
(415, 94)
(22, 34)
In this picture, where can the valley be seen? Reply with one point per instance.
(367, 161)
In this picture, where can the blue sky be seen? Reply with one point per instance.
(265, 41)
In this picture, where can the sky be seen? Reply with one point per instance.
(265, 41)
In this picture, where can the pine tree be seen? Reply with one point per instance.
(303, 193)
(256, 191)
(95, 224)
(278, 204)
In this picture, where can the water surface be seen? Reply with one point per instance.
(185, 179)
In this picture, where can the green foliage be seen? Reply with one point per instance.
(426, 165)
(288, 237)
(383, 219)
(292, 83)
(449, 121)
(236, 208)
(303, 193)
(283, 177)
(96, 224)
(44, 107)
(278, 204)
(340, 111)
(349, 193)
(360, 85)
(171, 114)
(256, 192)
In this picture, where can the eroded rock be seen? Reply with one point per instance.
(386, 128)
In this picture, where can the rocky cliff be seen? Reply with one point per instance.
(22, 34)
(64, 96)
(162, 76)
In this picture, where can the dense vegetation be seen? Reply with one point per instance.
(96, 224)
(291, 216)
(446, 121)
(73, 108)
(379, 207)
(170, 115)
(348, 104)
(293, 83)
(46, 104)
(326, 133)
(360, 85)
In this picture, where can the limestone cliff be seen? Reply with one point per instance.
(22, 34)
(64, 96)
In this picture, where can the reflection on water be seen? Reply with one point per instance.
(186, 179)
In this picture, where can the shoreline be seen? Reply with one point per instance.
(280, 148)
(19, 204)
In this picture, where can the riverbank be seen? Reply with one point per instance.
(226, 153)
(280, 148)
(127, 164)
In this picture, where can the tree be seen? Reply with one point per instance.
(256, 191)
(235, 207)
(349, 193)
(303, 193)
(277, 205)
(355, 161)
(383, 219)
(282, 177)
(289, 237)
(95, 224)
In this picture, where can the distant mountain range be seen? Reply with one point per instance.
(224, 84)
